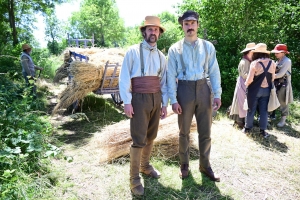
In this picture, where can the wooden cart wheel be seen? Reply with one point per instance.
(117, 98)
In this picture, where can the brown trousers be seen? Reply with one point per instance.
(194, 97)
(145, 120)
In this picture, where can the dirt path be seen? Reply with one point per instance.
(250, 167)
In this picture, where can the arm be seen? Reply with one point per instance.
(243, 69)
(250, 76)
(163, 82)
(171, 77)
(25, 65)
(214, 73)
(285, 66)
(125, 79)
(38, 68)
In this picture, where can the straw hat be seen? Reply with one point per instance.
(280, 48)
(25, 46)
(249, 46)
(261, 48)
(152, 21)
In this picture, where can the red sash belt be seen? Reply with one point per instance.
(145, 84)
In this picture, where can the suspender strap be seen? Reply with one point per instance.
(266, 69)
(181, 57)
(142, 61)
(205, 69)
(206, 58)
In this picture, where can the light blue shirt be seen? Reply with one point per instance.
(194, 60)
(27, 65)
(154, 65)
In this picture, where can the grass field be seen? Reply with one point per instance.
(250, 167)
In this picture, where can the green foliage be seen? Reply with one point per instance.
(101, 18)
(43, 58)
(23, 139)
(132, 36)
(172, 34)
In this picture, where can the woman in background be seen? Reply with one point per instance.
(283, 81)
(237, 113)
(259, 83)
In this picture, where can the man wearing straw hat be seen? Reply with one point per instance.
(143, 90)
(283, 81)
(28, 67)
(191, 61)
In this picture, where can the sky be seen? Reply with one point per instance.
(133, 12)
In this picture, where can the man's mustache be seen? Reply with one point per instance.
(152, 35)
(190, 30)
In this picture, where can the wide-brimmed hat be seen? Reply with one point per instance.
(188, 15)
(261, 48)
(152, 21)
(249, 46)
(25, 46)
(280, 48)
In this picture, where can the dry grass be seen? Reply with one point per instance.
(250, 167)
(60, 73)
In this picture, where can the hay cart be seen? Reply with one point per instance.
(110, 81)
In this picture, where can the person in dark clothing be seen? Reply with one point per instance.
(258, 84)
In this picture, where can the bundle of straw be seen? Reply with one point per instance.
(87, 78)
(61, 73)
(115, 142)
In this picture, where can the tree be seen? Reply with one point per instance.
(53, 32)
(19, 14)
(173, 31)
(101, 18)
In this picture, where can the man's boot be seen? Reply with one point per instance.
(135, 179)
(282, 122)
(146, 168)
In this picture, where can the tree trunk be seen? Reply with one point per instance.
(12, 23)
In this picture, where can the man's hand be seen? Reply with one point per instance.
(128, 109)
(217, 104)
(176, 108)
(163, 112)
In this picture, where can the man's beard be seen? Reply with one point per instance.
(151, 39)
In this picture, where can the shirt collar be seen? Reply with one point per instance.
(190, 43)
(148, 46)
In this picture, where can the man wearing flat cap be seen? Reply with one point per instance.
(283, 81)
(28, 67)
(192, 61)
(143, 89)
